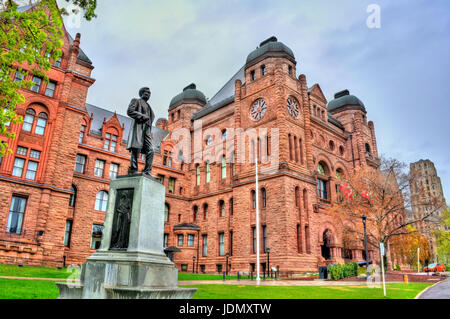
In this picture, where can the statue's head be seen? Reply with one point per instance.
(145, 93)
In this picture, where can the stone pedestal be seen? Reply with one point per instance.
(141, 270)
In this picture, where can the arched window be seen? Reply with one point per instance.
(231, 206)
(41, 124)
(222, 208)
(305, 199)
(166, 212)
(263, 197)
(101, 201)
(367, 148)
(297, 196)
(195, 213)
(205, 211)
(224, 135)
(28, 120)
(73, 196)
(323, 181)
(253, 194)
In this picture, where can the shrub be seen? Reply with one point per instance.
(397, 267)
(340, 271)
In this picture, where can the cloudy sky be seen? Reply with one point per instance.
(400, 71)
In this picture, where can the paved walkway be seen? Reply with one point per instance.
(273, 282)
(440, 290)
(235, 282)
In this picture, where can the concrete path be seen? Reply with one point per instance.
(440, 290)
(272, 283)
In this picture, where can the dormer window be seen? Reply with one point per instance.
(110, 142)
(263, 70)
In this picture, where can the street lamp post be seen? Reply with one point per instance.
(193, 264)
(226, 269)
(364, 218)
(268, 262)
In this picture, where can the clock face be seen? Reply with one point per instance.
(293, 108)
(258, 110)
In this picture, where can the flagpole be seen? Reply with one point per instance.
(258, 279)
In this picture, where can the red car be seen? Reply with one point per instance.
(434, 268)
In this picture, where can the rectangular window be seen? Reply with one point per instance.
(197, 173)
(205, 245)
(224, 167)
(322, 189)
(50, 90)
(35, 154)
(16, 212)
(254, 240)
(58, 62)
(221, 244)
(208, 172)
(19, 163)
(113, 171)
(231, 243)
(97, 234)
(80, 163)
(22, 151)
(18, 77)
(36, 84)
(190, 240)
(160, 178)
(264, 229)
(31, 170)
(171, 187)
(180, 240)
(68, 233)
(99, 168)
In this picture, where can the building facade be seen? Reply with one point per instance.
(54, 187)
(427, 196)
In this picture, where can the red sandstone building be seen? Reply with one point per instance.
(54, 187)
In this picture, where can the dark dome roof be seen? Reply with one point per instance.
(343, 100)
(190, 94)
(270, 48)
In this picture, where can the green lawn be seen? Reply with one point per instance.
(28, 289)
(45, 272)
(33, 272)
(394, 291)
(38, 289)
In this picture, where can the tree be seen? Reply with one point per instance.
(442, 236)
(383, 196)
(30, 40)
(406, 247)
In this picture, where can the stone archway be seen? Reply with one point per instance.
(327, 241)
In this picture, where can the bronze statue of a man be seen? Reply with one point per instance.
(140, 137)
